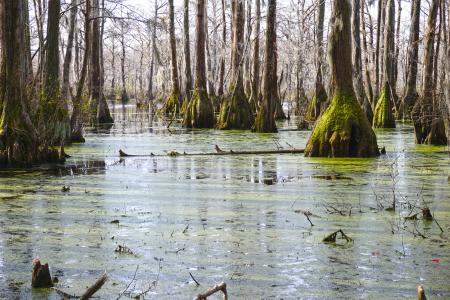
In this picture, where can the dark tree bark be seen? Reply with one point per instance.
(53, 114)
(173, 103)
(427, 119)
(448, 65)
(153, 51)
(18, 137)
(383, 114)
(379, 39)
(103, 113)
(357, 61)
(248, 35)
(112, 94)
(320, 94)
(265, 119)
(123, 94)
(98, 106)
(343, 129)
(279, 113)
(220, 91)
(255, 94)
(76, 120)
(199, 112)
(65, 89)
(235, 110)
(369, 88)
(187, 51)
(410, 94)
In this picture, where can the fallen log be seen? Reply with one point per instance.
(218, 287)
(94, 288)
(219, 152)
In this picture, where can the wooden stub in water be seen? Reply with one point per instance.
(421, 293)
(426, 214)
(40, 277)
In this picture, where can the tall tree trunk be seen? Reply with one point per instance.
(123, 95)
(320, 95)
(255, 94)
(209, 71)
(18, 136)
(103, 113)
(279, 113)
(396, 54)
(235, 110)
(380, 24)
(427, 119)
(222, 58)
(112, 93)
(65, 90)
(265, 119)
(357, 61)
(448, 66)
(410, 94)
(94, 62)
(187, 51)
(248, 35)
(369, 93)
(383, 115)
(343, 129)
(53, 115)
(173, 103)
(199, 112)
(153, 51)
(76, 121)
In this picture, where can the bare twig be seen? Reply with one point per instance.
(195, 280)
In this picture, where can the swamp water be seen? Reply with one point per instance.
(214, 218)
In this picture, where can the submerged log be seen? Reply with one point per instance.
(218, 287)
(40, 277)
(94, 288)
(217, 153)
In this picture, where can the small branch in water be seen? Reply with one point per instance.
(185, 229)
(94, 288)
(332, 237)
(307, 217)
(195, 280)
(219, 287)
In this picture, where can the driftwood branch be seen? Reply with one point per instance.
(332, 237)
(94, 288)
(219, 152)
(218, 287)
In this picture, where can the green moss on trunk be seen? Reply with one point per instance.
(342, 131)
(235, 112)
(383, 116)
(173, 102)
(264, 122)
(199, 112)
(315, 105)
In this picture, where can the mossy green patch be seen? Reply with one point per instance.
(199, 112)
(342, 131)
(235, 113)
(173, 102)
(383, 116)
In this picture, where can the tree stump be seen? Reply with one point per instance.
(41, 275)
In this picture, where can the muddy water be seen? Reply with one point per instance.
(213, 217)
